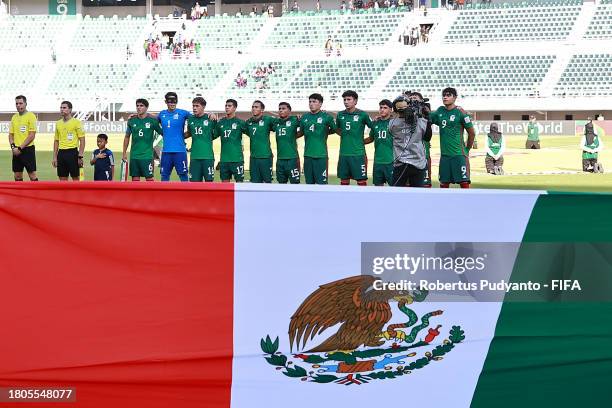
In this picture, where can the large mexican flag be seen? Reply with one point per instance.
(209, 295)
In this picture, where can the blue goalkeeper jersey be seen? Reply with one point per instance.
(173, 124)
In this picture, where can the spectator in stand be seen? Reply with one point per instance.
(239, 13)
(376, 6)
(351, 6)
(387, 3)
(343, 5)
(198, 11)
(176, 13)
(318, 6)
(600, 117)
(295, 6)
(329, 45)
(146, 49)
(401, 3)
(460, 4)
(271, 10)
(198, 48)
(415, 36)
(406, 36)
(339, 49)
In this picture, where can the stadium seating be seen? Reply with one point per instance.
(586, 75)
(184, 77)
(601, 24)
(363, 30)
(284, 72)
(306, 30)
(225, 32)
(530, 3)
(488, 76)
(18, 78)
(91, 79)
(513, 24)
(30, 32)
(104, 33)
(336, 76)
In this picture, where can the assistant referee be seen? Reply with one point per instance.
(68, 144)
(22, 131)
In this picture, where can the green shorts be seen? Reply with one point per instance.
(202, 169)
(261, 170)
(228, 169)
(454, 169)
(315, 170)
(382, 173)
(141, 168)
(288, 170)
(353, 167)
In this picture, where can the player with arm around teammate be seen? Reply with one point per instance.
(141, 132)
(383, 145)
(315, 126)
(230, 130)
(258, 128)
(454, 159)
(201, 129)
(350, 126)
(286, 129)
(174, 152)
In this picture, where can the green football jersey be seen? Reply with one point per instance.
(259, 132)
(142, 134)
(286, 137)
(533, 132)
(594, 145)
(383, 142)
(315, 128)
(493, 145)
(202, 130)
(451, 124)
(230, 131)
(351, 126)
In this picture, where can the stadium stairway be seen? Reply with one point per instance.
(385, 78)
(582, 22)
(555, 71)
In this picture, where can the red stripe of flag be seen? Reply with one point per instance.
(122, 290)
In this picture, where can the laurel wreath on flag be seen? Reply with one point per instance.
(290, 369)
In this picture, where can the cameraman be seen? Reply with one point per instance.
(427, 143)
(409, 130)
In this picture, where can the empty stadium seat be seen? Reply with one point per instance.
(601, 24)
(228, 32)
(190, 77)
(105, 33)
(472, 76)
(514, 24)
(586, 75)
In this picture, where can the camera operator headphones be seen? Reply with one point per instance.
(400, 103)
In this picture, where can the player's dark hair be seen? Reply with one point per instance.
(171, 94)
(451, 91)
(316, 96)
(285, 104)
(350, 94)
(143, 101)
(199, 100)
(385, 102)
(260, 104)
(103, 136)
(21, 97)
(67, 103)
(233, 102)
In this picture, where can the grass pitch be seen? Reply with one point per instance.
(557, 166)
